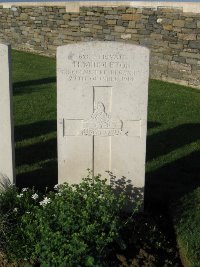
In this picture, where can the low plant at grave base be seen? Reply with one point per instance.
(186, 214)
(79, 225)
(72, 226)
(13, 205)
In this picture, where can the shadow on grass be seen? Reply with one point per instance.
(31, 85)
(172, 181)
(34, 82)
(152, 124)
(164, 142)
(175, 179)
(34, 129)
(36, 152)
(44, 177)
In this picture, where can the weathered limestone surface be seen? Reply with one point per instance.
(102, 90)
(6, 117)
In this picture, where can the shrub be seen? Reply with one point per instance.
(72, 226)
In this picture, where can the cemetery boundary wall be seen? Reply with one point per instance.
(172, 31)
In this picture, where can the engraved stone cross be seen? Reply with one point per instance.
(101, 124)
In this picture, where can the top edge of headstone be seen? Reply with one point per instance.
(4, 45)
(103, 44)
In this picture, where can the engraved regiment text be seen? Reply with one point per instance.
(105, 67)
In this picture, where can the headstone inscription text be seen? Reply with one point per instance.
(111, 67)
(102, 110)
(6, 116)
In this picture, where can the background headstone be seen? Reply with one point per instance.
(102, 91)
(6, 115)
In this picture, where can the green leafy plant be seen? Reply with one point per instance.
(72, 226)
(79, 225)
(14, 205)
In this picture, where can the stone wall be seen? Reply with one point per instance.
(172, 34)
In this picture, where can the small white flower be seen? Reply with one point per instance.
(56, 186)
(24, 189)
(45, 201)
(15, 209)
(34, 196)
(27, 212)
(20, 195)
(100, 196)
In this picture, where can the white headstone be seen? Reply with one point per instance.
(6, 117)
(102, 90)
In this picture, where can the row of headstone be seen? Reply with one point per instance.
(102, 90)
(7, 169)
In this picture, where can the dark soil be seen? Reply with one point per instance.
(147, 241)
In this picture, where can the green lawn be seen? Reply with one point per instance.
(34, 88)
(173, 144)
(186, 221)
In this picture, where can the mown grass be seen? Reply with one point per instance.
(35, 119)
(173, 144)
